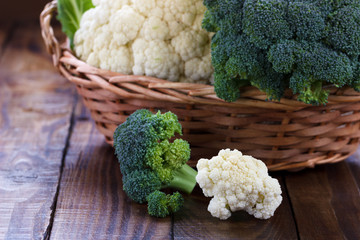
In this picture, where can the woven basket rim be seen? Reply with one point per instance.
(191, 93)
(163, 90)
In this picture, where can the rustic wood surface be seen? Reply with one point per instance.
(36, 105)
(60, 180)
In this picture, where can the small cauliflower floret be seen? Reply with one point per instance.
(183, 10)
(198, 69)
(157, 59)
(148, 8)
(161, 36)
(200, 9)
(117, 59)
(190, 44)
(112, 5)
(155, 28)
(122, 31)
(91, 22)
(217, 207)
(238, 182)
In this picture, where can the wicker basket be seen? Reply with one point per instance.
(286, 135)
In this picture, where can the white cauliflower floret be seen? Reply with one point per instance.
(119, 63)
(155, 58)
(93, 21)
(190, 44)
(199, 68)
(238, 182)
(111, 5)
(122, 31)
(159, 38)
(200, 9)
(148, 8)
(183, 10)
(155, 28)
(174, 25)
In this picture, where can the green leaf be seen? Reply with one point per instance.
(70, 13)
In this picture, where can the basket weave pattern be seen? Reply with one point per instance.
(286, 135)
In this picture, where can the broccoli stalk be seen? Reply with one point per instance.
(313, 94)
(149, 162)
(183, 179)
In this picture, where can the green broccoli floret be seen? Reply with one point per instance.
(161, 204)
(277, 44)
(317, 61)
(282, 56)
(344, 29)
(148, 160)
(306, 21)
(219, 9)
(270, 82)
(139, 184)
(233, 57)
(265, 22)
(356, 68)
(310, 64)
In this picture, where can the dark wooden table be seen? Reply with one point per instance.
(60, 180)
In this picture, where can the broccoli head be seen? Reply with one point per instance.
(149, 161)
(277, 44)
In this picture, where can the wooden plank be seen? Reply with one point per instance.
(36, 105)
(354, 165)
(91, 203)
(195, 222)
(326, 202)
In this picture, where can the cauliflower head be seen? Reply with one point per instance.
(158, 38)
(238, 182)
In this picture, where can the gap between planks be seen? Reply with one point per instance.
(26, 74)
(325, 201)
(91, 202)
(47, 233)
(286, 191)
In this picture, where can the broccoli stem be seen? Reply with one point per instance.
(184, 179)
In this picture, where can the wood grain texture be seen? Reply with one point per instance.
(35, 104)
(325, 202)
(354, 165)
(91, 203)
(195, 222)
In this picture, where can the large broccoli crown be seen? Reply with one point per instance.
(148, 160)
(275, 44)
(142, 142)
